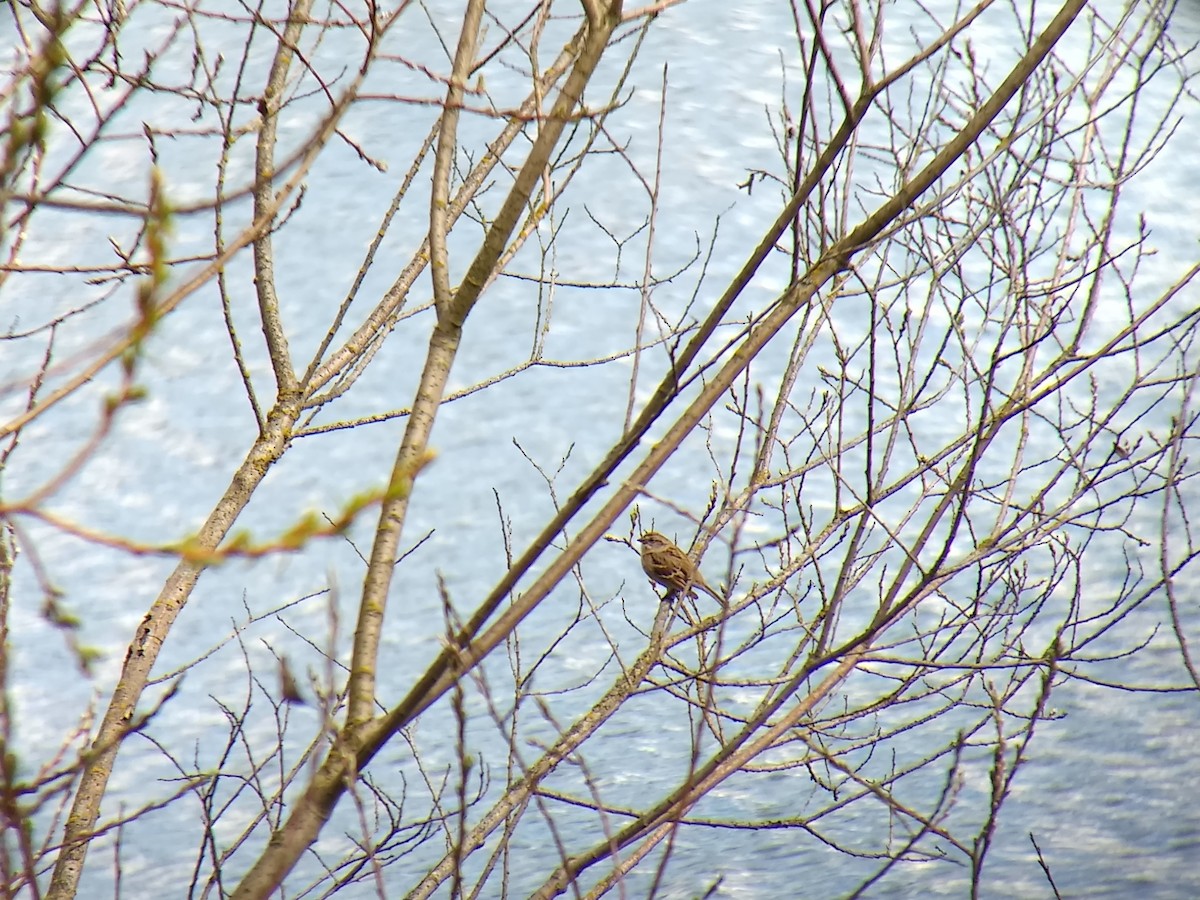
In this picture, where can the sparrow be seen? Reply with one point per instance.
(289, 688)
(671, 568)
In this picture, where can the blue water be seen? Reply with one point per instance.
(1106, 789)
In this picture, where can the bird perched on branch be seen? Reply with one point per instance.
(671, 568)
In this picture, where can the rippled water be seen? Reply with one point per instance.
(1109, 793)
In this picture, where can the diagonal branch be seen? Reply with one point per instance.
(347, 758)
(439, 678)
(439, 201)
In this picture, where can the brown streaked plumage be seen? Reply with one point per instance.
(671, 568)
